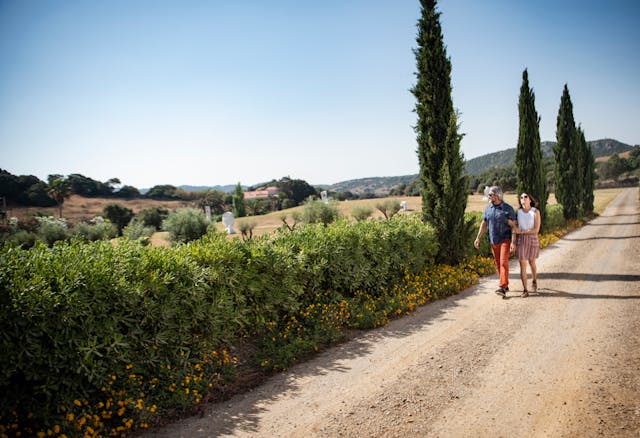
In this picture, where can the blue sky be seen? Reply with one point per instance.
(219, 92)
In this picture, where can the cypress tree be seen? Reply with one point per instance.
(530, 170)
(237, 200)
(587, 182)
(442, 180)
(567, 155)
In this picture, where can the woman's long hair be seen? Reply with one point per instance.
(534, 201)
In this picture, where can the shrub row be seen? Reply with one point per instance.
(101, 338)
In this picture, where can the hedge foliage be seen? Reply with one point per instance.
(98, 338)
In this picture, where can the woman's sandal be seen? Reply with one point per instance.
(535, 286)
(525, 294)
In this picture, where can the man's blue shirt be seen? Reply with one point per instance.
(496, 217)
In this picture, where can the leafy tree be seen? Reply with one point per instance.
(316, 211)
(166, 191)
(9, 186)
(296, 190)
(118, 215)
(37, 195)
(615, 166)
(443, 184)
(152, 217)
(530, 169)
(84, 186)
(588, 176)
(388, 207)
(505, 177)
(634, 158)
(214, 199)
(185, 224)
(239, 209)
(567, 159)
(127, 192)
(58, 190)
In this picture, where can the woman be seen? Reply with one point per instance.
(526, 244)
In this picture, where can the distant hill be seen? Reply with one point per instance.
(475, 166)
(227, 189)
(383, 184)
(600, 148)
(376, 185)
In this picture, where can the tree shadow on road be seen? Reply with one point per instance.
(580, 276)
(591, 224)
(553, 293)
(573, 239)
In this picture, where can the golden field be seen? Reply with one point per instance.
(77, 208)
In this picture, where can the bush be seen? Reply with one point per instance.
(555, 217)
(119, 215)
(152, 217)
(246, 228)
(52, 230)
(361, 212)
(185, 224)
(137, 230)
(79, 320)
(98, 230)
(90, 324)
(21, 238)
(347, 257)
(388, 207)
(316, 211)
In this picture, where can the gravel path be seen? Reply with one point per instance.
(564, 362)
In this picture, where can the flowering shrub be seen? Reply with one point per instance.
(102, 339)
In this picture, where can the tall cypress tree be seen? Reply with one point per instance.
(530, 171)
(237, 199)
(587, 181)
(567, 155)
(442, 181)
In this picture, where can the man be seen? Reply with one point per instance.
(495, 218)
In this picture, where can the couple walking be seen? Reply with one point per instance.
(502, 222)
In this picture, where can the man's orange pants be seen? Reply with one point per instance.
(501, 258)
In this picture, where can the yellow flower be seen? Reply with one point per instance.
(77, 402)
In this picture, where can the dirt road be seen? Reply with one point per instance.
(564, 362)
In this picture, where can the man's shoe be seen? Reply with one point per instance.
(501, 292)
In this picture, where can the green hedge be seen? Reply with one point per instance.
(102, 338)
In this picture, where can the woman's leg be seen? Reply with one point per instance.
(534, 273)
(523, 273)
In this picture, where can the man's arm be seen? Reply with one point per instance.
(483, 227)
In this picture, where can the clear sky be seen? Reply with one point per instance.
(219, 92)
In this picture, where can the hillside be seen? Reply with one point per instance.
(375, 185)
(475, 166)
(600, 148)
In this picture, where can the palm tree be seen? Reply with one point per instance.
(58, 189)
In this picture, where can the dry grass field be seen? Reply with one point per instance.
(77, 208)
(269, 222)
